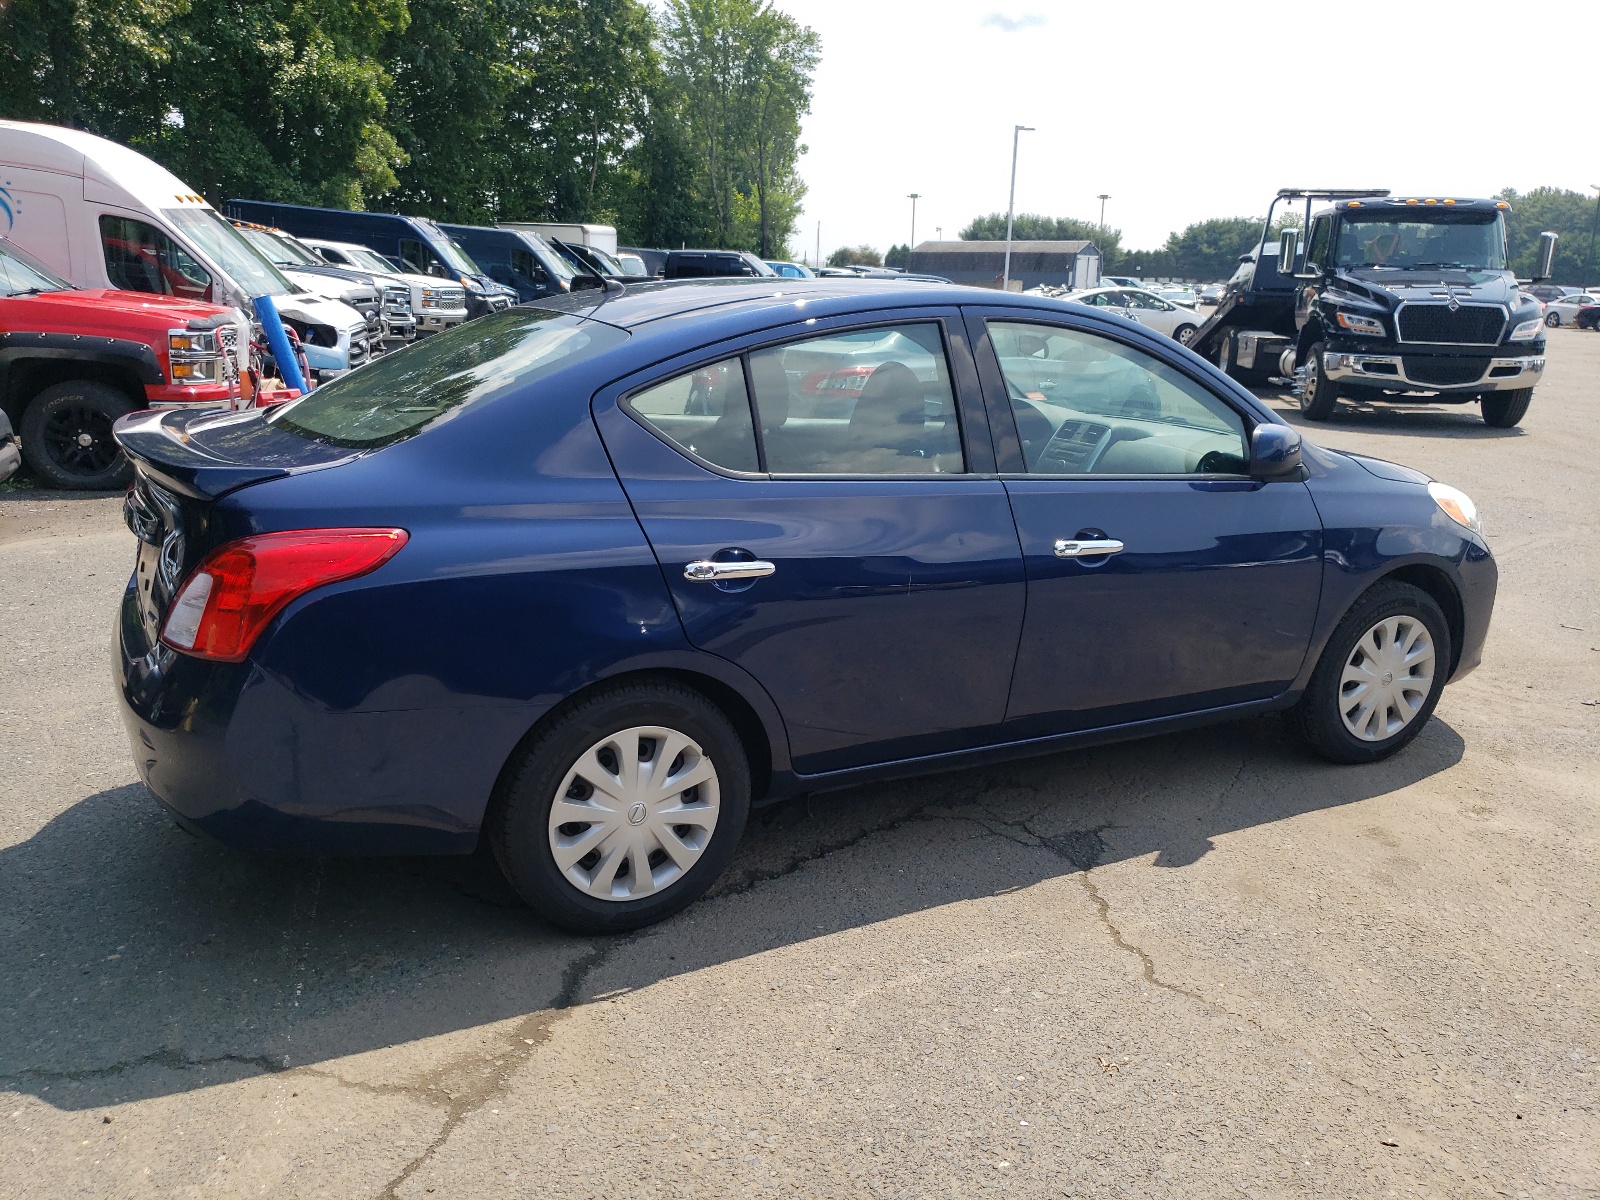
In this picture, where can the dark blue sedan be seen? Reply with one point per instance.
(592, 578)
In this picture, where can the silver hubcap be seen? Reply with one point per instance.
(1387, 678)
(634, 813)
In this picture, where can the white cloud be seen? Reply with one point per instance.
(999, 20)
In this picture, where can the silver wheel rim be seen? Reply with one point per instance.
(1386, 679)
(634, 813)
(1185, 335)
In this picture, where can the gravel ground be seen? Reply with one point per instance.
(1202, 965)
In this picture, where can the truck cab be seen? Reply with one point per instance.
(1385, 298)
(435, 304)
(517, 258)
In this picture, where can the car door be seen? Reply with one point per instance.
(1161, 578)
(848, 545)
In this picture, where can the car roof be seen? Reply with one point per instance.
(642, 303)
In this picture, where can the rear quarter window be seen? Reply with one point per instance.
(403, 393)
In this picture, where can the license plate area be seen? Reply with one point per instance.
(156, 519)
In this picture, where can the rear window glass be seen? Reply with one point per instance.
(402, 393)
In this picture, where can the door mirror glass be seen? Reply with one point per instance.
(1288, 246)
(1547, 257)
(1274, 452)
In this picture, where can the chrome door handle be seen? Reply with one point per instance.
(1087, 549)
(705, 571)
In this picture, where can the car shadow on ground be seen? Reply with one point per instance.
(1400, 420)
(138, 960)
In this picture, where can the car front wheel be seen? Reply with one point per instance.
(1379, 677)
(624, 809)
(1552, 319)
(1184, 334)
(1319, 395)
(1503, 410)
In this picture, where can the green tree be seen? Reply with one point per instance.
(1032, 227)
(855, 256)
(738, 75)
(1211, 249)
(1572, 215)
(897, 256)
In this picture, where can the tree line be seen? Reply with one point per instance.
(680, 126)
(1210, 250)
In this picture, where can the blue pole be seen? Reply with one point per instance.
(282, 351)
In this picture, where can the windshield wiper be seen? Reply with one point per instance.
(1435, 266)
(32, 291)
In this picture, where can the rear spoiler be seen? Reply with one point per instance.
(204, 454)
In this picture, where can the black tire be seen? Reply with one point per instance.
(1320, 395)
(1553, 320)
(1225, 352)
(1184, 334)
(1504, 410)
(66, 436)
(1317, 717)
(519, 819)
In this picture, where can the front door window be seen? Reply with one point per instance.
(141, 258)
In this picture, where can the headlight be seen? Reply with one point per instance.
(1357, 323)
(1527, 330)
(1457, 505)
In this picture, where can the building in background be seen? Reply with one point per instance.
(1060, 264)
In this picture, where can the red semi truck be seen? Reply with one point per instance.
(72, 361)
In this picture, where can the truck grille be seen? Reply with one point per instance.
(450, 298)
(397, 299)
(1467, 325)
(360, 349)
(1445, 372)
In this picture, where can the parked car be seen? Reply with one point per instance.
(591, 261)
(654, 260)
(556, 578)
(1588, 317)
(435, 304)
(600, 237)
(1564, 310)
(1183, 297)
(1146, 308)
(703, 264)
(104, 216)
(517, 258)
(416, 244)
(1121, 281)
(1211, 294)
(10, 449)
(73, 361)
(791, 270)
(304, 268)
(1543, 292)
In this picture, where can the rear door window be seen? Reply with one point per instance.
(706, 412)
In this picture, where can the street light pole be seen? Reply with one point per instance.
(1103, 197)
(913, 197)
(1592, 230)
(1011, 204)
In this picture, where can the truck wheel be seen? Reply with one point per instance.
(66, 436)
(1319, 395)
(1225, 353)
(1504, 409)
(1553, 320)
(1184, 334)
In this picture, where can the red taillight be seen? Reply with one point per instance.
(231, 596)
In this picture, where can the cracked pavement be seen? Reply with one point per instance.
(1198, 966)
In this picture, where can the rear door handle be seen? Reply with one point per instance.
(1066, 548)
(705, 571)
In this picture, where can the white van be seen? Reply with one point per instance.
(602, 237)
(105, 216)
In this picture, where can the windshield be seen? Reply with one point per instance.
(21, 274)
(1471, 241)
(456, 257)
(295, 252)
(403, 393)
(222, 244)
(270, 247)
(369, 260)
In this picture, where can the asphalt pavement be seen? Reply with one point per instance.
(1202, 965)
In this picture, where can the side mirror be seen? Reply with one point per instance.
(1274, 452)
(1244, 258)
(1547, 257)
(1288, 244)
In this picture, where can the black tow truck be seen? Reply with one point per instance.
(1386, 298)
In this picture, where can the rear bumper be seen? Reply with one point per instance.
(240, 756)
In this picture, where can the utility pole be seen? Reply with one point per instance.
(1103, 197)
(913, 197)
(1011, 205)
(819, 243)
(938, 233)
(1593, 228)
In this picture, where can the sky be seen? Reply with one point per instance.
(1180, 111)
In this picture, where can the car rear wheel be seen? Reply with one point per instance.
(1319, 395)
(1184, 334)
(1379, 677)
(66, 436)
(624, 809)
(1552, 319)
(1505, 409)
(1225, 352)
